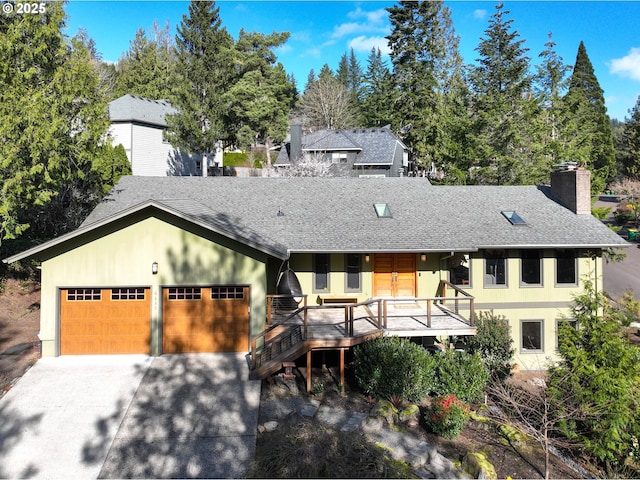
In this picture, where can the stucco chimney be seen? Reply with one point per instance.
(295, 151)
(571, 186)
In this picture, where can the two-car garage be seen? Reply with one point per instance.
(118, 320)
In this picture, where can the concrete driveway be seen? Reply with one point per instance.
(123, 416)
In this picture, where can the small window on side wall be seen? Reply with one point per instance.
(530, 267)
(353, 269)
(495, 268)
(531, 336)
(321, 272)
(566, 270)
(459, 270)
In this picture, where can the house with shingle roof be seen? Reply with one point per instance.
(360, 152)
(192, 264)
(139, 125)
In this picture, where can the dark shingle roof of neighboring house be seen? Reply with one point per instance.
(375, 146)
(283, 215)
(130, 108)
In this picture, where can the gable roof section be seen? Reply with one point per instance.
(284, 215)
(130, 108)
(189, 210)
(375, 146)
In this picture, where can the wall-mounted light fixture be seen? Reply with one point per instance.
(154, 268)
(423, 257)
(367, 259)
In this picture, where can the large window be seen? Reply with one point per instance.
(530, 267)
(353, 269)
(566, 271)
(495, 268)
(531, 335)
(321, 272)
(459, 269)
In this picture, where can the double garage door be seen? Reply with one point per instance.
(117, 320)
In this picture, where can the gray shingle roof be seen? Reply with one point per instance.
(337, 214)
(375, 146)
(130, 108)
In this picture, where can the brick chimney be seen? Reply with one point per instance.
(571, 187)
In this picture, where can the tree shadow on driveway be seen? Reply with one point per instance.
(193, 416)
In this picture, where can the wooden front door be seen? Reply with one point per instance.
(394, 275)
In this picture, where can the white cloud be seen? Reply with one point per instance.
(365, 44)
(345, 29)
(627, 66)
(479, 14)
(374, 16)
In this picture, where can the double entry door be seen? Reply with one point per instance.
(394, 275)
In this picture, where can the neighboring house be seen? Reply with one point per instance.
(363, 152)
(182, 264)
(139, 125)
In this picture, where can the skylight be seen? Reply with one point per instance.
(382, 210)
(514, 218)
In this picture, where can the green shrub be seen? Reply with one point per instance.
(394, 367)
(494, 344)
(461, 374)
(235, 159)
(447, 416)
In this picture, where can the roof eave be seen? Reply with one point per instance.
(280, 253)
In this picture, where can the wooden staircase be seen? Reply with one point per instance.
(285, 343)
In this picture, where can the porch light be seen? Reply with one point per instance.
(154, 268)
(423, 257)
(367, 258)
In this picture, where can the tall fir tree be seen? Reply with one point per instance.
(550, 85)
(53, 122)
(504, 108)
(377, 92)
(631, 143)
(586, 131)
(261, 96)
(205, 68)
(149, 68)
(425, 57)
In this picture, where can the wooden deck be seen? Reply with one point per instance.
(403, 319)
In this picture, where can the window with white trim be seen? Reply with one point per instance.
(321, 272)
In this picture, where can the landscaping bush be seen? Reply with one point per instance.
(447, 416)
(494, 344)
(461, 374)
(394, 367)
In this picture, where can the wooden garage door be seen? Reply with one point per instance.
(205, 319)
(107, 320)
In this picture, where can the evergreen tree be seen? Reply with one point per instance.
(586, 131)
(550, 86)
(503, 106)
(342, 74)
(377, 92)
(53, 122)
(205, 67)
(148, 69)
(598, 377)
(631, 143)
(427, 72)
(260, 98)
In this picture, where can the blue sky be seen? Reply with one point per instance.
(322, 31)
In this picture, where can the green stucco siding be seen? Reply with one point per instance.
(186, 256)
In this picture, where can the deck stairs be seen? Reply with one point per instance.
(286, 343)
